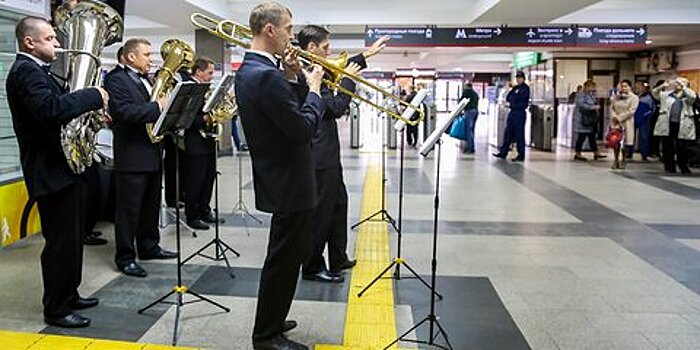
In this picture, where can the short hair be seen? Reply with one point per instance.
(626, 81)
(131, 45)
(28, 26)
(264, 13)
(469, 85)
(120, 52)
(589, 83)
(201, 64)
(312, 34)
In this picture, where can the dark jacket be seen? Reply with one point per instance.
(40, 106)
(473, 98)
(195, 143)
(130, 110)
(279, 120)
(325, 145)
(519, 97)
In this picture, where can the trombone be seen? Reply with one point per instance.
(240, 35)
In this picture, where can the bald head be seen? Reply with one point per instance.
(36, 36)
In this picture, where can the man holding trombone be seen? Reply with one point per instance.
(330, 216)
(279, 116)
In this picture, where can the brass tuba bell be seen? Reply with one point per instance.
(177, 55)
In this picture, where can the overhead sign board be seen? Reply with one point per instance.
(510, 36)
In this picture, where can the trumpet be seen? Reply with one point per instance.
(240, 35)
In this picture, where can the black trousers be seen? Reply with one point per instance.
(592, 144)
(62, 225)
(674, 150)
(412, 134)
(169, 170)
(329, 224)
(92, 198)
(138, 202)
(200, 173)
(288, 247)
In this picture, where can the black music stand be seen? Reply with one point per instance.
(432, 319)
(385, 216)
(183, 105)
(220, 247)
(399, 260)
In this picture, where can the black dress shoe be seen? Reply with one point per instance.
(133, 269)
(518, 159)
(278, 343)
(84, 303)
(96, 233)
(197, 224)
(159, 254)
(210, 219)
(498, 155)
(347, 264)
(91, 239)
(323, 276)
(289, 325)
(71, 320)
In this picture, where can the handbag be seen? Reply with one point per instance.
(458, 129)
(613, 138)
(589, 117)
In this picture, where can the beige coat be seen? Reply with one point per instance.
(623, 109)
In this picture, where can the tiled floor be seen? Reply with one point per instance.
(547, 254)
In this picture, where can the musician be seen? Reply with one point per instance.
(279, 116)
(40, 104)
(137, 161)
(200, 161)
(330, 216)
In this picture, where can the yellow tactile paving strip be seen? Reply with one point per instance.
(32, 341)
(370, 320)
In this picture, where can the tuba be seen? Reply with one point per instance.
(85, 28)
(177, 55)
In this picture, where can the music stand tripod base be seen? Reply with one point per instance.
(396, 262)
(240, 207)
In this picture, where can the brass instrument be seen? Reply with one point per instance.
(222, 112)
(85, 28)
(177, 55)
(335, 68)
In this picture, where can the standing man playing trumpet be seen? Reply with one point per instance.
(200, 164)
(40, 105)
(331, 214)
(137, 161)
(279, 117)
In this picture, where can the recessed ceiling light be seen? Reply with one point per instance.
(649, 42)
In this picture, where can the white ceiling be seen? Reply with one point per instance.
(674, 23)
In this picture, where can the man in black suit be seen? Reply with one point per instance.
(40, 104)
(279, 118)
(200, 161)
(137, 161)
(330, 216)
(411, 130)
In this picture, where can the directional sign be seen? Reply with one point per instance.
(509, 36)
(610, 36)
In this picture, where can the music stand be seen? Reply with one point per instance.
(220, 247)
(185, 101)
(385, 216)
(426, 148)
(399, 260)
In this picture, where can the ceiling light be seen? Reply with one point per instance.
(649, 42)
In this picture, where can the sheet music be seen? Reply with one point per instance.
(223, 87)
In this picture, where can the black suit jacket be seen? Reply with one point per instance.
(195, 143)
(40, 106)
(130, 110)
(279, 119)
(325, 145)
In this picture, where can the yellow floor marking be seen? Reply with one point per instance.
(370, 320)
(32, 341)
